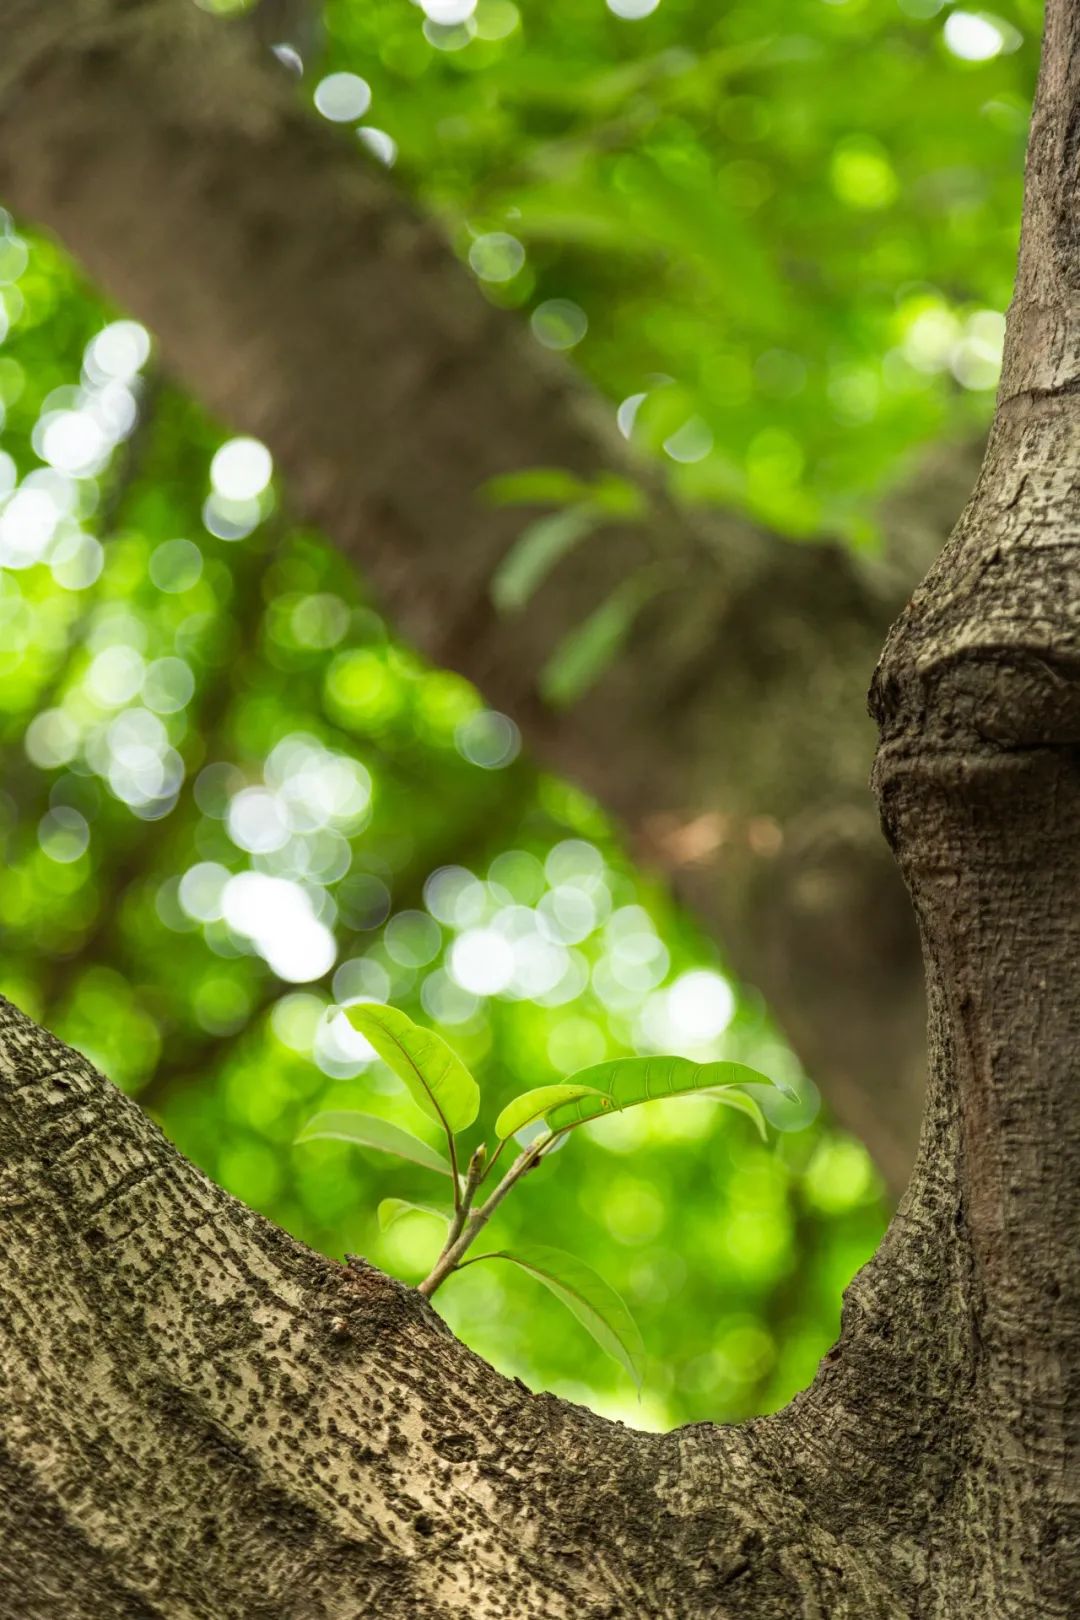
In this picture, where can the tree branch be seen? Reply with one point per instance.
(198, 1416)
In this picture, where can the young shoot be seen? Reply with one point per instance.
(443, 1088)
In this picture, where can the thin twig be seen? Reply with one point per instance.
(474, 1177)
(457, 1245)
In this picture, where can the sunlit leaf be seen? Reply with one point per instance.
(617, 495)
(392, 1209)
(437, 1079)
(367, 1130)
(662, 412)
(552, 486)
(535, 1104)
(593, 1301)
(743, 1103)
(625, 1082)
(787, 1110)
(540, 486)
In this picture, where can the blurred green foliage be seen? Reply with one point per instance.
(790, 224)
(780, 237)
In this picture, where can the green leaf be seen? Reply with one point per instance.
(593, 1301)
(544, 543)
(743, 1103)
(582, 656)
(628, 1081)
(536, 486)
(437, 1079)
(535, 1104)
(661, 413)
(366, 1130)
(535, 552)
(392, 1209)
(553, 486)
(787, 1110)
(619, 496)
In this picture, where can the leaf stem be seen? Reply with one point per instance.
(463, 1232)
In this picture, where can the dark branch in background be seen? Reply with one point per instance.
(301, 297)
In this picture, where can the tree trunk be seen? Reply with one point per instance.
(300, 296)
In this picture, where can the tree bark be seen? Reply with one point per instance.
(300, 295)
(202, 1419)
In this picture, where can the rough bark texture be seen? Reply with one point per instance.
(298, 293)
(200, 1418)
(978, 775)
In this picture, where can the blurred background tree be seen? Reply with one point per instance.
(778, 238)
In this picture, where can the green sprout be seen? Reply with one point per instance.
(444, 1089)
